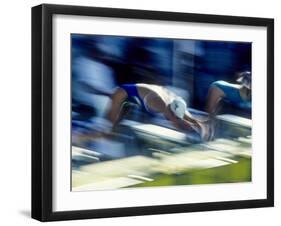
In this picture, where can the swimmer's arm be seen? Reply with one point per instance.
(178, 123)
(215, 95)
(183, 124)
(169, 116)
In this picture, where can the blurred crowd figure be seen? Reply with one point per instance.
(202, 73)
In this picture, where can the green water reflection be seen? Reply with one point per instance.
(238, 172)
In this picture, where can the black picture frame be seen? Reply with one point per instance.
(42, 106)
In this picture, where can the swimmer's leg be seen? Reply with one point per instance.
(116, 108)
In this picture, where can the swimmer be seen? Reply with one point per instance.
(237, 94)
(154, 100)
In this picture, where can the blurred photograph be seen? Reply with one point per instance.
(151, 112)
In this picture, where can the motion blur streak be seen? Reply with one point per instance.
(147, 150)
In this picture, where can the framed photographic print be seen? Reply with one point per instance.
(145, 112)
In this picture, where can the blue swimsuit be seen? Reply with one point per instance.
(232, 93)
(132, 92)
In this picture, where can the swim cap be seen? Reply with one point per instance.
(178, 107)
(245, 78)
